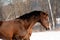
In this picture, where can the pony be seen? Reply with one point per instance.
(21, 27)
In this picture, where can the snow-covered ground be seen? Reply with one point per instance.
(48, 35)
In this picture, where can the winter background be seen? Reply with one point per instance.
(23, 6)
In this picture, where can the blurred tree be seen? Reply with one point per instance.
(1, 17)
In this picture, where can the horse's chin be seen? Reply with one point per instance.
(50, 26)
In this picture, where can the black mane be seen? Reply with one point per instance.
(28, 15)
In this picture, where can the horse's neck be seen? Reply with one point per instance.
(31, 22)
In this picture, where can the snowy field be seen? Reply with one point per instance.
(48, 35)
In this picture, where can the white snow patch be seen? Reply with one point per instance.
(48, 35)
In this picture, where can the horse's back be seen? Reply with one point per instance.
(11, 27)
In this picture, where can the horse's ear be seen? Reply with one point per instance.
(46, 12)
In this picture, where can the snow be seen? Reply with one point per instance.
(47, 35)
